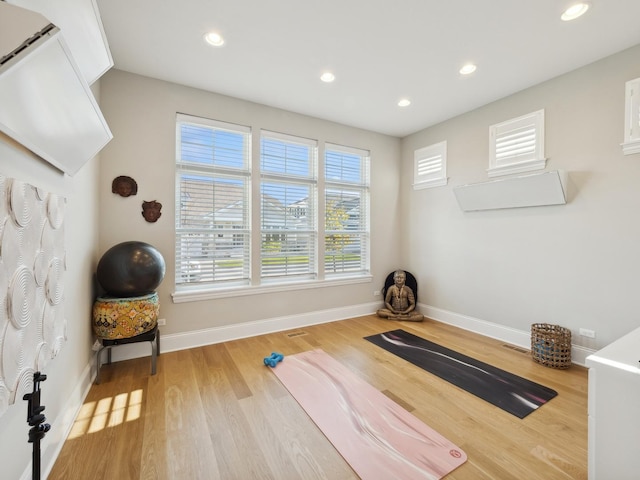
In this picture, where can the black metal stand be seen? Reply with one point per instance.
(152, 336)
(36, 419)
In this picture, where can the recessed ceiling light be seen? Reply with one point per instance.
(214, 38)
(405, 102)
(574, 11)
(468, 69)
(327, 77)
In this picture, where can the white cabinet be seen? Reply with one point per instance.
(81, 26)
(614, 410)
(47, 104)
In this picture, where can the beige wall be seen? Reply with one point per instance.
(67, 374)
(575, 265)
(141, 113)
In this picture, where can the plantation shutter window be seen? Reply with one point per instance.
(430, 166)
(631, 143)
(517, 145)
(346, 235)
(212, 203)
(288, 227)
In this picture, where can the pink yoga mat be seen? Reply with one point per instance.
(377, 437)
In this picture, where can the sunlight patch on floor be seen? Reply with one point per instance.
(107, 412)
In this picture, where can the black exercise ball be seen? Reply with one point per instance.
(131, 269)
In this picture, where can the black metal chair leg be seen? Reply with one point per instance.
(153, 337)
(154, 354)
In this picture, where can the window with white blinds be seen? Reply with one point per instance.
(216, 208)
(430, 166)
(288, 207)
(517, 145)
(213, 236)
(631, 143)
(346, 201)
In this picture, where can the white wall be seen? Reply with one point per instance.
(575, 265)
(141, 113)
(68, 375)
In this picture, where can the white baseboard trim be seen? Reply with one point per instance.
(198, 338)
(510, 335)
(209, 336)
(62, 425)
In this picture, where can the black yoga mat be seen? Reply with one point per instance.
(510, 392)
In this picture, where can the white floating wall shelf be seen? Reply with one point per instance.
(533, 190)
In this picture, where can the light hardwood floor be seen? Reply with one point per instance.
(217, 412)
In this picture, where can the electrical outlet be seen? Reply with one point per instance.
(162, 322)
(584, 332)
(376, 293)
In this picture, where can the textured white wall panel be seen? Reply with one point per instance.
(32, 265)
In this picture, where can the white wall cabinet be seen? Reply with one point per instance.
(81, 26)
(47, 104)
(614, 410)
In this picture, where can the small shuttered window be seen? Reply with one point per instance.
(517, 145)
(288, 179)
(346, 224)
(430, 166)
(631, 143)
(212, 203)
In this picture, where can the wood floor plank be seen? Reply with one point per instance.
(188, 441)
(153, 460)
(217, 412)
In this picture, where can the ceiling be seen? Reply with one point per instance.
(379, 50)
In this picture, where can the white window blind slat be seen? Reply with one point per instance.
(430, 166)
(212, 203)
(517, 145)
(512, 144)
(344, 166)
(288, 243)
(214, 240)
(346, 211)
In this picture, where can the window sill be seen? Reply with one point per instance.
(438, 182)
(630, 147)
(196, 295)
(519, 167)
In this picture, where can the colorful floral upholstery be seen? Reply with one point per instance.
(125, 317)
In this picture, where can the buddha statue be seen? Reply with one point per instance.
(400, 301)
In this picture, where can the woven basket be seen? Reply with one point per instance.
(551, 345)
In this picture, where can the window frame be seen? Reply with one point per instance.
(631, 144)
(255, 283)
(288, 237)
(211, 252)
(521, 162)
(356, 225)
(430, 166)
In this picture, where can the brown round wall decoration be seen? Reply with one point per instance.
(124, 186)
